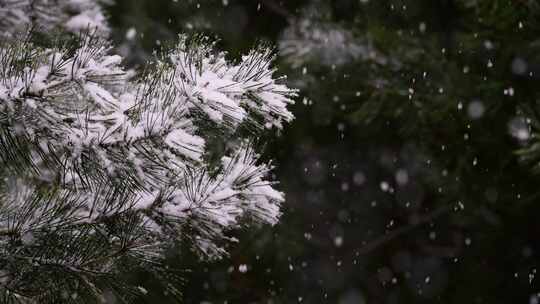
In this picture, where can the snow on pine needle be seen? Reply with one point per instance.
(116, 164)
(65, 15)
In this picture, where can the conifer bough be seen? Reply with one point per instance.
(104, 169)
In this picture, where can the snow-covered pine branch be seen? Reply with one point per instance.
(314, 37)
(64, 15)
(105, 168)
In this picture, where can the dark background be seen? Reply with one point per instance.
(404, 177)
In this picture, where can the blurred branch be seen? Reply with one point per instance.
(7, 232)
(421, 220)
(276, 8)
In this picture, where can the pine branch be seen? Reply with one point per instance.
(105, 168)
(71, 16)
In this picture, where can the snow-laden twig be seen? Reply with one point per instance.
(121, 161)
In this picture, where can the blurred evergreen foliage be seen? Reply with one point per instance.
(410, 171)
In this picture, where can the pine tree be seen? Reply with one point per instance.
(401, 163)
(104, 169)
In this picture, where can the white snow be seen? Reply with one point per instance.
(144, 130)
